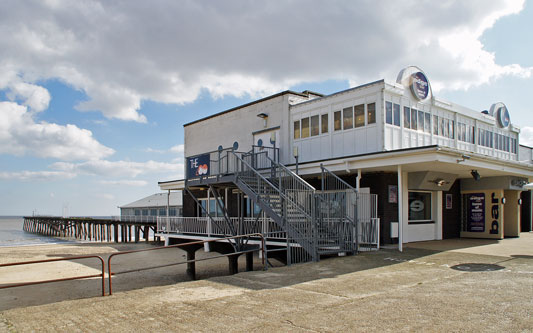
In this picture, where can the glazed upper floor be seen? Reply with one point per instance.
(375, 117)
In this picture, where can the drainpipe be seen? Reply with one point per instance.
(168, 203)
(400, 209)
(358, 180)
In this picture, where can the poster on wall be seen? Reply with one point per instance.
(198, 166)
(393, 194)
(449, 201)
(475, 221)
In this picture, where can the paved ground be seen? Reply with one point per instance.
(456, 285)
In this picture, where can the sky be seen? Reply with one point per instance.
(94, 94)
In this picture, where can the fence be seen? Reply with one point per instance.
(102, 275)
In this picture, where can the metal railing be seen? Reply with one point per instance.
(135, 218)
(204, 226)
(102, 274)
(262, 249)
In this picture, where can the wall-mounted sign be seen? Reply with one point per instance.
(198, 166)
(475, 220)
(449, 201)
(393, 194)
(419, 85)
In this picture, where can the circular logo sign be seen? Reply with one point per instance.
(419, 85)
(416, 206)
(503, 116)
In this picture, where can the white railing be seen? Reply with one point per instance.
(218, 226)
(369, 234)
(135, 218)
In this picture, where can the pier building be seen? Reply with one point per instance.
(380, 163)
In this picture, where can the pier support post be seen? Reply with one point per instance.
(233, 262)
(249, 261)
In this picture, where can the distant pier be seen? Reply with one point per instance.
(91, 229)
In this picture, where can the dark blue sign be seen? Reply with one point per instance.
(503, 117)
(419, 85)
(475, 221)
(198, 166)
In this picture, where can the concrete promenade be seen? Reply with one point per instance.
(454, 285)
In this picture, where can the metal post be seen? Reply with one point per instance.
(400, 209)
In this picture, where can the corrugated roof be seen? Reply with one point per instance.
(157, 200)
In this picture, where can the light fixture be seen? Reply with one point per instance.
(263, 116)
(295, 154)
(464, 158)
(440, 182)
(475, 175)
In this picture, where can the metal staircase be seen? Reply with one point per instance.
(285, 197)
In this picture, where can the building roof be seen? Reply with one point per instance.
(305, 93)
(157, 200)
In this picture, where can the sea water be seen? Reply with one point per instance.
(11, 234)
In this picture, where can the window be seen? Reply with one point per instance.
(427, 123)
(414, 123)
(371, 113)
(324, 123)
(397, 114)
(172, 212)
(337, 121)
(419, 206)
(406, 117)
(347, 118)
(137, 212)
(315, 127)
(305, 127)
(420, 120)
(444, 126)
(359, 111)
(435, 125)
(162, 211)
(297, 129)
(388, 112)
(145, 212)
(153, 212)
(451, 129)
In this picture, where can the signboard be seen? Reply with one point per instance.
(503, 116)
(198, 166)
(419, 85)
(449, 201)
(393, 194)
(475, 221)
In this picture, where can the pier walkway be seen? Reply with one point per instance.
(92, 229)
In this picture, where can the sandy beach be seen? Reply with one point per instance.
(59, 291)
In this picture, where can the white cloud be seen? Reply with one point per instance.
(118, 168)
(125, 182)
(526, 136)
(236, 48)
(36, 175)
(20, 135)
(177, 149)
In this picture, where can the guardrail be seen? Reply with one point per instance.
(102, 275)
(111, 273)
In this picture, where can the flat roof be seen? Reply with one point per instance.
(305, 93)
(157, 200)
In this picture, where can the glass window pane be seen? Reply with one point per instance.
(337, 121)
(419, 206)
(427, 123)
(315, 126)
(347, 118)
(371, 113)
(325, 123)
(420, 120)
(414, 123)
(359, 115)
(397, 114)
(451, 129)
(305, 127)
(162, 212)
(297, 129)
(388, 112)
(406, 117)
(435, 125)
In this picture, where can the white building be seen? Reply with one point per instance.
(158, 204)
(439, 170)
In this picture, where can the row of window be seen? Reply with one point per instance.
(421, 121)
(348, 118)
(150, 211)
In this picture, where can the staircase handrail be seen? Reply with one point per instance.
(281, 194)
(306, 186)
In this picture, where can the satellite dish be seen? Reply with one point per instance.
(220, 148)
(260, 143)
(235, 145)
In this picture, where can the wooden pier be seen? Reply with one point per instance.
(90, 229)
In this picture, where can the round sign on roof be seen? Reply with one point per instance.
(500, 112)
(419, 85)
